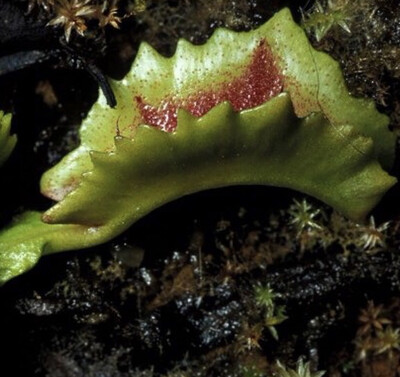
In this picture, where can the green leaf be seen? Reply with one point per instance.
(7, 141)
(256, 108)
(28, 238)
(312, 78)
(223, 148)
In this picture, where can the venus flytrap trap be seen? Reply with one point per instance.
(250, 108)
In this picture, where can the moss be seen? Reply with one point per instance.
(367, 47)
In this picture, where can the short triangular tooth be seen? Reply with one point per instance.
(99, 158)
(147, 54)
(122, 142)
(147, 138)
(189, 125)
(183, 46)
(147, 60)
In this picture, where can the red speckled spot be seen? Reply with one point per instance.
(163, 117)
(259, 82)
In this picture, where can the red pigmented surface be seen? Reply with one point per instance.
(163, 116)
(259, 82)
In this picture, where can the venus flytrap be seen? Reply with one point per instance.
(251, 108)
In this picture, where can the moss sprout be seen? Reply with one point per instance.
(378, 334)
(372, 319)
(273, 314)
(388, 341)
(304, 216)
(369, 55)
(327, 15)
(372, 237)
(75, 15)
(302, 370)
